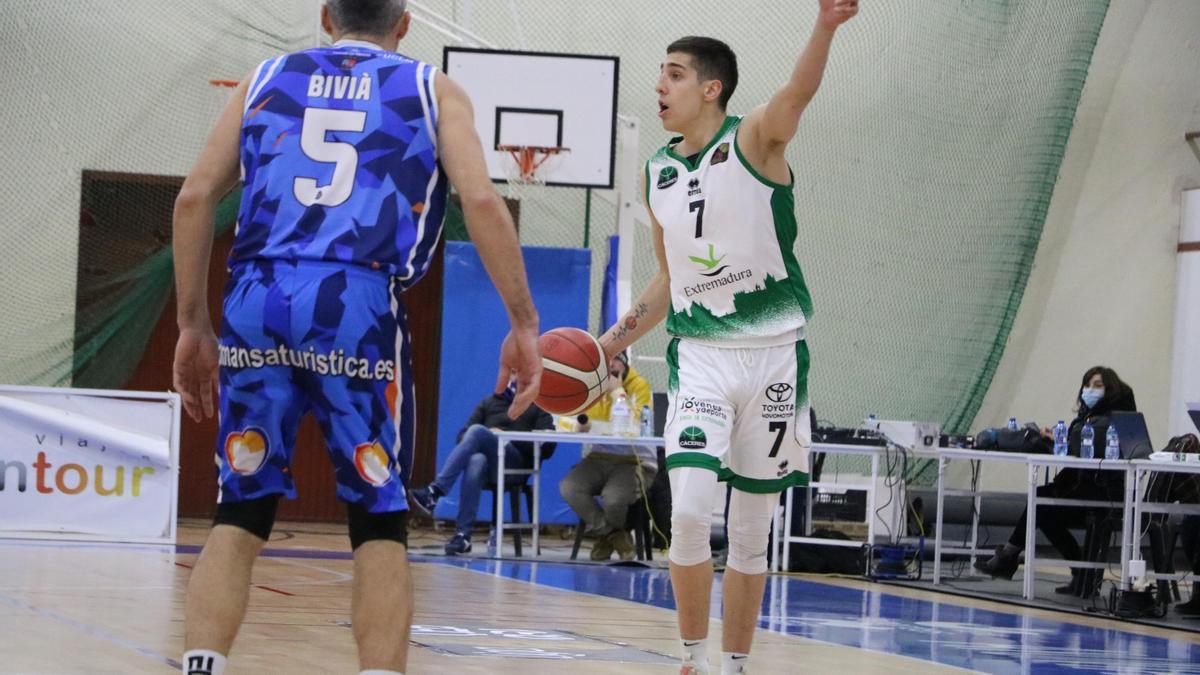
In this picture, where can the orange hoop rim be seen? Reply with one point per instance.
(530, 157)
(224, 83)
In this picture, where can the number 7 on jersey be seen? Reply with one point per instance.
(698, 207)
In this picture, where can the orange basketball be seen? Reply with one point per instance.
(575, 371)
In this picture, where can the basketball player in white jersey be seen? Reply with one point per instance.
(735, 302)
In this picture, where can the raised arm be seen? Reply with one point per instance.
(215, 173)
(491, 229)
(771, 126)
(650, 307)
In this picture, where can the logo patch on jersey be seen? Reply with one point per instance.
(246, 451)
(708, 264)
(694, 187)
(693, 438)
(667, 177)
(372, 463)
(779, 392)
(783, 469)
(721, 155)
(694, 410)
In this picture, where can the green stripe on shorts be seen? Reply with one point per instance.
(673, 365)
(697, 459)
(802, 360)
(767, 486)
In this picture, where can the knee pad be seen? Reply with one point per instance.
(692, 493)
(256, 516)
(366, 526)
(749, 530)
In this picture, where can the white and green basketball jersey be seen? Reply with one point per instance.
(728, 233)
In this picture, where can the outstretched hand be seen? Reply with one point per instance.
(837, 12)
(520, 358)
(195, 371)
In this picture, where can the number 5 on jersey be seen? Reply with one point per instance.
(318, 122)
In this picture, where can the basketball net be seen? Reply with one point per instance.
(527, 166)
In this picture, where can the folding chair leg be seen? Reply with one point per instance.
(578, 540)
(514, 503)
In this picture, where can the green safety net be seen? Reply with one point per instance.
(924, 171)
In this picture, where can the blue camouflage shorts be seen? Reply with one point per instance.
(322, 337)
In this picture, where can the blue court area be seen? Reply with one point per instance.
(945, 632)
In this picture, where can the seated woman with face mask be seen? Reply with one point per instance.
(1101, 392)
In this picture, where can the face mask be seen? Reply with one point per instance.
(1091, 396)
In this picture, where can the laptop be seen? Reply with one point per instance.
(1135, 438)
(1194, 413)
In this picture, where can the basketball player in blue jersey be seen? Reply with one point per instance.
(736, 307)
(345, 152)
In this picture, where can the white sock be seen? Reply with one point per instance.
(378, 671)
(733, 663)
(203, 662)
(695, 652)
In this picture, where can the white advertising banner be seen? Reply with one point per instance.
(88, 464)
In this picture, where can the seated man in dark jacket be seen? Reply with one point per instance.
(474, 459)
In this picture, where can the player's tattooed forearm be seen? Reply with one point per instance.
(630, 322)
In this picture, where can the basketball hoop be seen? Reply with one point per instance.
(527, 159)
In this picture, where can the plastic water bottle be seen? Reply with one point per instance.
(871, 424)
(1087, 441)
(621, 422)
(647, 422)
(1112, 443)
(491, 542)
(1012, 424)
(1060, 438)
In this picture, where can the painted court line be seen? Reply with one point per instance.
(94, 631)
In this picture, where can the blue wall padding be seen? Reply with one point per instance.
(608, 298)
(473, 325)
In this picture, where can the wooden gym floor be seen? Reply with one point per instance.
(86, 608)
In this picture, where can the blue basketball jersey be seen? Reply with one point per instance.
(339, 161)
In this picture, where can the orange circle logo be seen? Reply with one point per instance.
(372, 462)
(246, 451)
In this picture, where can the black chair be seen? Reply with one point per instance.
(636, 519)
(514, 487)
(1162, 556)
(1098, 533)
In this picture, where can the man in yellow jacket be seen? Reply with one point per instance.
(618, 474)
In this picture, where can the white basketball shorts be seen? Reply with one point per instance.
(740, 412)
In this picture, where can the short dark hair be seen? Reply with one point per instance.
(713, 60)
(368, 17)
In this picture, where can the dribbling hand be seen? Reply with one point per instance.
(520, 357)
(195, 371)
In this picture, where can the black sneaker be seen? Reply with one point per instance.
(461, 543)
(424, 500)
(1000, 566)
